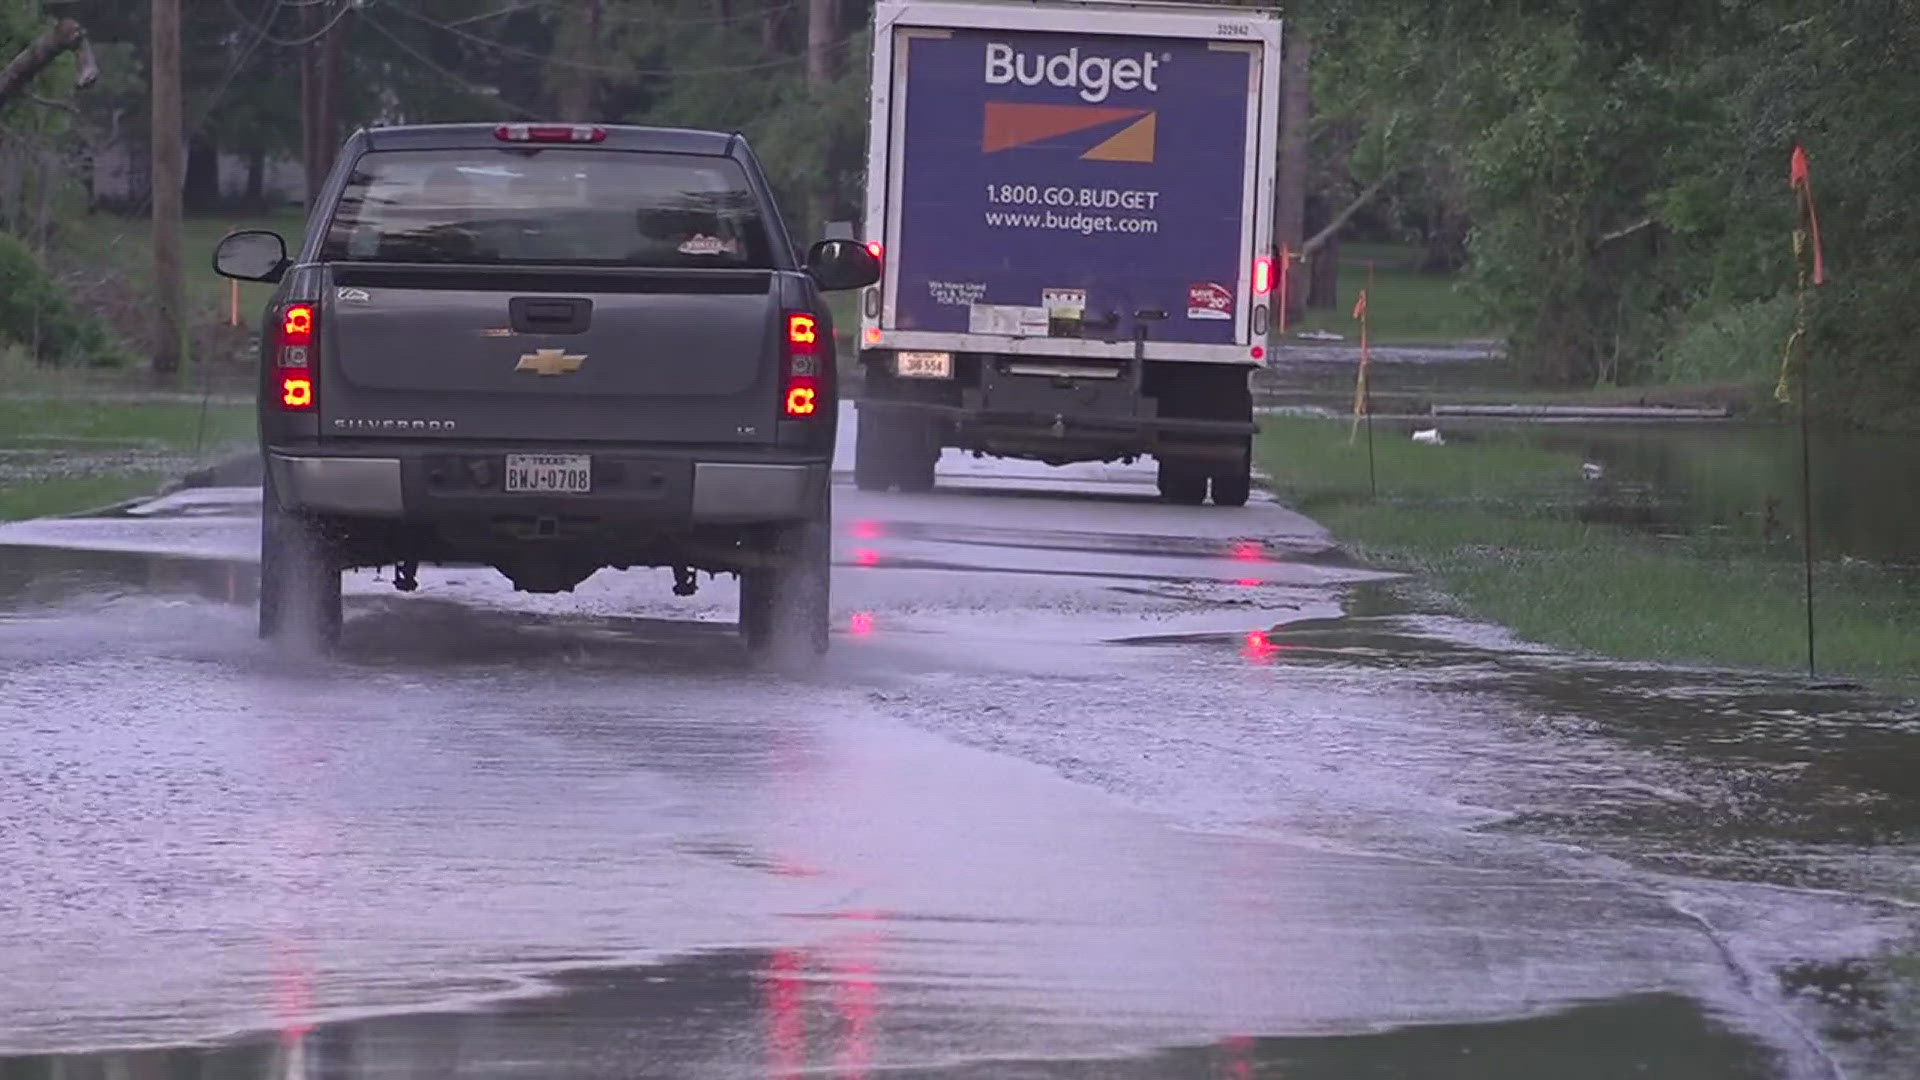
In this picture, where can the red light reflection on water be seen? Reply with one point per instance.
(1247, 582)
(1236, 1057)
(866, 557)
(861, 624)
(866, 530)
(1261, 648)
(786, 1020)
(1248, 551)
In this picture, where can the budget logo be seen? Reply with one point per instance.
(1093, 76)
(1010, 124)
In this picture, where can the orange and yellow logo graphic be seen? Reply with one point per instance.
(1011, 124)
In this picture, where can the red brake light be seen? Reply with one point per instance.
(875, 249)
(550, 133)
(293, 356)
(296, 392)
(805, 374)
(1263, 275)
(802, 333)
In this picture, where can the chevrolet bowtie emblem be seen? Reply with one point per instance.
(551, 362)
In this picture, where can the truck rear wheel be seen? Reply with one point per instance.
(784, 607)
(872, 462)
(1233, 484)
(299, 579)
(1182, 484)
(894, 448)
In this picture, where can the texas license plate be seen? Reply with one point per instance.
(923, 365)
(563, 474)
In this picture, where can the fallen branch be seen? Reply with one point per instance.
(1340, 219)
(63, 36)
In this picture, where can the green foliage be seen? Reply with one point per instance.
(1739, 343)
(34, 314)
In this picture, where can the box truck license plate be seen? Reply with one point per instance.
(923, 365)
(563, 474)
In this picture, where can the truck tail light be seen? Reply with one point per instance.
(550, 133)
(876, 249)
(804, 380)
(1262, 275)
(294, 354)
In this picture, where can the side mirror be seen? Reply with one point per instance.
(253, 255)
(842, 264)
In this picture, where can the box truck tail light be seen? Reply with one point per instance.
(293, 356)
(1262, 275)
(805, 376)
(550, 133)
(876, 249)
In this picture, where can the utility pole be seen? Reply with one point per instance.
(1290, 209)
(169, 289)
(333, 54)
(822, 29)
(573, 78)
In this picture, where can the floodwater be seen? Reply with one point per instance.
(1744, 481)
(1089, 787)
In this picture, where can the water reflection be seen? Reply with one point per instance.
(1741, 481)
(697, 1019)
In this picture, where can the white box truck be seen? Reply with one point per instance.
(1073, 202)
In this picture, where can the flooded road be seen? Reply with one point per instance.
(1089, 787)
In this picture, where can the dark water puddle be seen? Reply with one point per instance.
(31, 576)
(1733, 481)
(785, 1013)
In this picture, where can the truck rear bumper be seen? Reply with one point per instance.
(430, 483)
(1033, 432)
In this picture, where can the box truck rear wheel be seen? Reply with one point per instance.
(894, 448)
(871, 461)
(1183, 483)
(1233, 484)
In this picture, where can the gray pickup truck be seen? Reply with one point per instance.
(548, 349)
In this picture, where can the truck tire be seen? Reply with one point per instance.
(1182, 484)
(894, 449)
(919, 455)
(872, 457)
(299, 579)
(785, 607)
(1232, 485)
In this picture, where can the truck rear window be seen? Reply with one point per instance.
(548, 206)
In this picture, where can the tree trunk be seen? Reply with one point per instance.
(257, 178)
(169, 288)
(41, 51)
(1323, 276)
(202, 190)
(1290, 174)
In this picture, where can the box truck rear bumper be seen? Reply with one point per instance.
(1032, 433)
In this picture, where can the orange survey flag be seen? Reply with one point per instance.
(1800, 179)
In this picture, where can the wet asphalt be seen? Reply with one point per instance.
(1088, 787)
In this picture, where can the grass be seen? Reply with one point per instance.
(124, 245)
(1493, 526)
(60, 455)
(1404, 304)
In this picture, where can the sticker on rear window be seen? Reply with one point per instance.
(702, 244)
